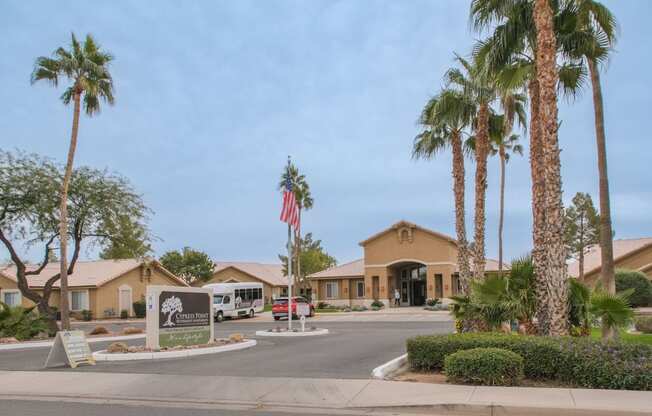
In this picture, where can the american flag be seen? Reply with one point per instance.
(290, 211)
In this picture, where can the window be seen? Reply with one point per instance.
(284, 291)
(439, 289)
(457, 287)
(226, 300)
(12, 297)
(78, 300)
(360, 289)
(217, 299)
(332, 290)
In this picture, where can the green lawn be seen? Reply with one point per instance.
(268, 307)
(625, 337)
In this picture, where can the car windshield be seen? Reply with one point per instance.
(217, 299)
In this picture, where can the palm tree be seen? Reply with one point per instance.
(478, 88)
(599, 25)
(86, 67)
(555, 255)
(304, 202)
(445, 119)
(512, 52)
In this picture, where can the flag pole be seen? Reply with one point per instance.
(289, 263)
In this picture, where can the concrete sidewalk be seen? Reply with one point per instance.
(270, 392)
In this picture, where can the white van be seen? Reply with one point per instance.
(236, 299)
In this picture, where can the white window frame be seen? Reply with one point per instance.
(336, 291)
(86, 303)
(130, 307)
(20, 295)
(358, 284)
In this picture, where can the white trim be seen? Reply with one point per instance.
(640, 269)
(390, 367)
(130, 307)
(20, 295)
(316, 332)
(87, 301)
(435, 263)
(104, 356)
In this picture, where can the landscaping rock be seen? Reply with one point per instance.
(98, 330)
(8, 340)
(130, 330)
(117, 347)
(236, 337)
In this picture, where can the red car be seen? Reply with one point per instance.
(280, 307)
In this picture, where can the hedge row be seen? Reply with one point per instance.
(579, 362)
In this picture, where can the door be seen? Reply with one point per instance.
(125, 301)
(405, 293)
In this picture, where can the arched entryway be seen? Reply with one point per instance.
(410, 280)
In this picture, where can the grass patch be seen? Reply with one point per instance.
(625, 337)
(268, 308)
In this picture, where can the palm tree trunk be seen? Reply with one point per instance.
(555, 257)
(481, 151)
(460, 221)
(606, 238)
(501, 215)
(538, 208)
(63, 223)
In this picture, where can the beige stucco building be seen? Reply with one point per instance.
(104, 287)
(270, 275)
(631, 254)
(418, 262)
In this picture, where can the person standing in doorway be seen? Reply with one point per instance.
(397, 298)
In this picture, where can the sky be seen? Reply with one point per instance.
(212, 96)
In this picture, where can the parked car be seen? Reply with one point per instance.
(280, 307)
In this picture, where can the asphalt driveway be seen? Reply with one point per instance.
(351, 350)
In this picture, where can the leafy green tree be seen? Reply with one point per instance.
(313, 257)
(29, 212)
(190, 265)
(581, 228)
(86, 66)
(133, 241)
(640, 285)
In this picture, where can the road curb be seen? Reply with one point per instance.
(317, 332)
(42, 344)
(104, 356)
(390, 367)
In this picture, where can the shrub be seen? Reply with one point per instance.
(20, 323)
(576, 361)
(630, 279)
(433, 302)
(236, 337)
(644, 324)
(139, 308)
(377, 304)
(98, 330)
(322, 305)
(87, 315)
(130, 330)
(124, 314)
(359, 308)
(486, 366)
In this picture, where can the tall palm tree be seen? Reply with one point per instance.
(555, 255)
(304, 202)
(444, 120)
(511, 52)
(86, 66)
(600, 25)
(513, 106)
(478, 88)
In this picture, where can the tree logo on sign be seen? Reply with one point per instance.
(171, 306)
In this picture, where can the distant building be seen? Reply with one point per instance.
(631, 254)
(104, 287)
(275, 284)
(419, 262)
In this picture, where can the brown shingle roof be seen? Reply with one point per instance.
(271, 274)
(622, 248)
(87, 273)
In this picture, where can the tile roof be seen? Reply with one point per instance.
(356, 268)
(87, 273)
(622, 248)
(271, 274)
